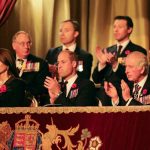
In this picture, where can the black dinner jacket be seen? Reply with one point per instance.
(115, 78)
(15, 94)
(82, 93)
(131, 47)
(83, 55)
(35, 79)
(98, 76)
(107, 74)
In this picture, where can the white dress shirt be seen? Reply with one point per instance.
(70, 48)
(70, 82)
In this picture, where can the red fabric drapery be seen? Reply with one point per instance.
(6, 7)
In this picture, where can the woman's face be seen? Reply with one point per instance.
(3, 68)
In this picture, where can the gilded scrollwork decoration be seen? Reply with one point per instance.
(27, 136)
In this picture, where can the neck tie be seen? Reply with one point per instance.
(119, 50)
(136, 91)
(64, 87)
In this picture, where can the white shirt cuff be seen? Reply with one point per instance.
(130, 99)
(115, 103)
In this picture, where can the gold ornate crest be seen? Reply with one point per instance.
(26, 133)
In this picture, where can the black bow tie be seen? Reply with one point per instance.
(20, 60)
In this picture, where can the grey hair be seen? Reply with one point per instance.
(141, 60)
(20, 32)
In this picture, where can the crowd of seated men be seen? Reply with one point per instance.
(63, 78)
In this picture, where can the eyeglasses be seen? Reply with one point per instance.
(29, 43)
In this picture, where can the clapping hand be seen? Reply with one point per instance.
(53, 87)
(111, 91)
(125, 90)
(101, 55)
(53, 70)
(105, 56)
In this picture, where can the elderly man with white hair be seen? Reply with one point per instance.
(137, 71)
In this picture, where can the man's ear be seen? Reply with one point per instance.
(13, 45)
(76, 34)
(130, 30)
(143, 70)
(74, 64)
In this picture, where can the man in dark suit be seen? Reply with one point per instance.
(78, 91)
(69, 31)
(31, 68)
(137, 71)
(110, 60)
(123, 27)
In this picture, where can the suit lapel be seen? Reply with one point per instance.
(56, 52)
(59, 49)
(146, 87)
(127, 49)
(77, 50)
(74, 90)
